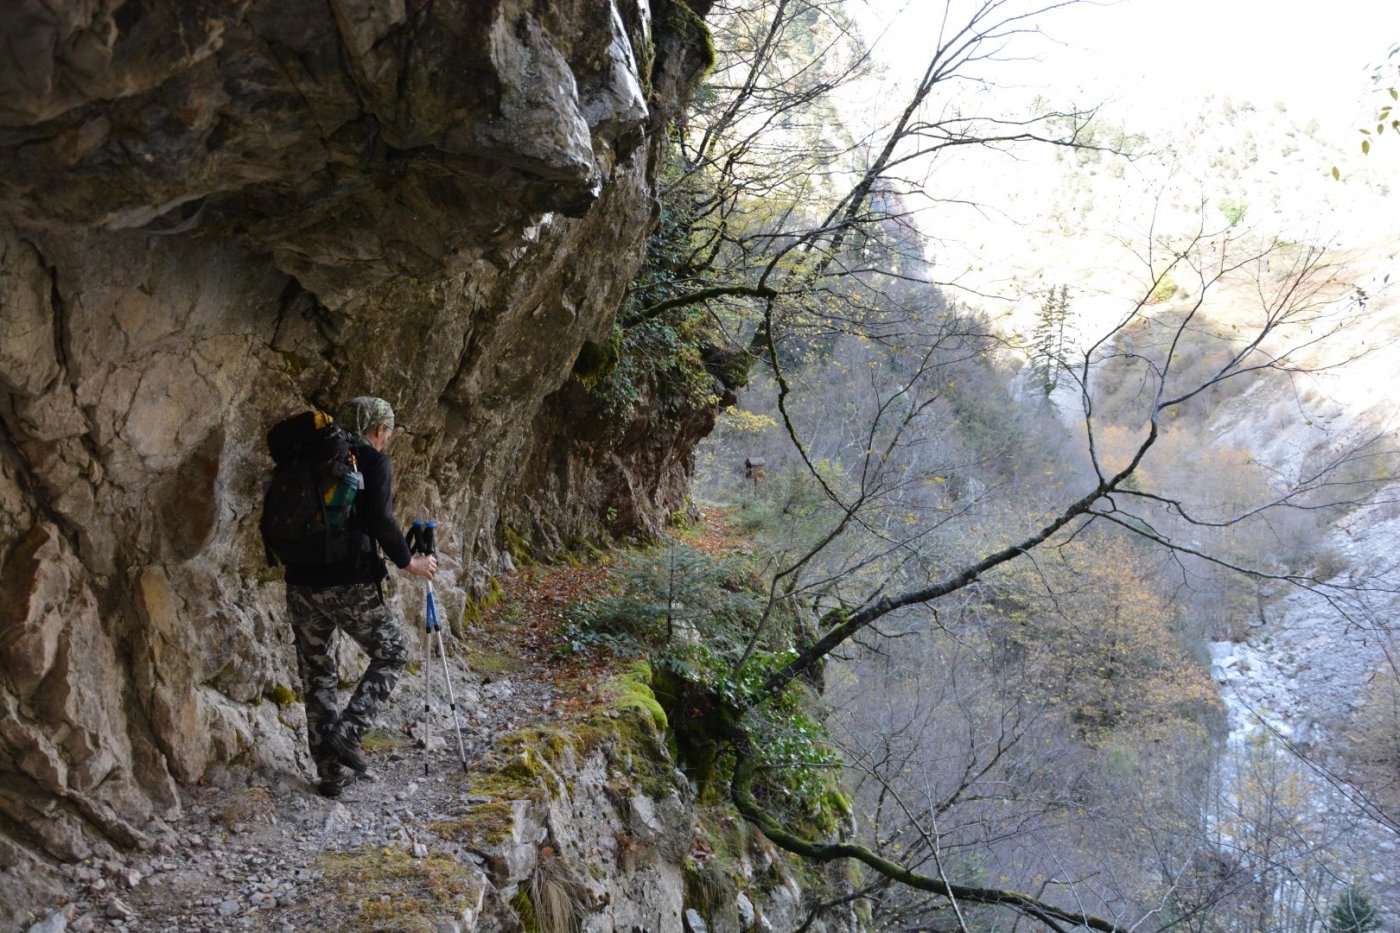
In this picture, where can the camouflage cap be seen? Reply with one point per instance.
(363, 414)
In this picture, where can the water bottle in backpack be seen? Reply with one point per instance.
(341, 497)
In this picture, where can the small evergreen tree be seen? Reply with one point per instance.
(1353, 912)
(669, 593)
(1050, 338)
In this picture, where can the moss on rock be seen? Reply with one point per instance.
(391, 890)
(382, 740)
(282, 695)
(596, 361)
(492, 663)
(488, 823)
(633, 688)
(516, 545)
(627, 726)
(477, 606)
(683, 21)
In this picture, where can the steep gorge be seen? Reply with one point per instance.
(215, 213)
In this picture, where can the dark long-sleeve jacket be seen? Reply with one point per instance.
(374, 515)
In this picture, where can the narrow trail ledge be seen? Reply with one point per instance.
(571, 806)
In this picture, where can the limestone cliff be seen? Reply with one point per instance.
(215, 213)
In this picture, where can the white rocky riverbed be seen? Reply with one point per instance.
(1292, 690)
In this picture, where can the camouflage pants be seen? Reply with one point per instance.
(316, 613)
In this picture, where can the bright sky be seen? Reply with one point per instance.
(1313, 57)
(1156, 56)
(1152, 64)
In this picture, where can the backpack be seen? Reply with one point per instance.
(307, 504)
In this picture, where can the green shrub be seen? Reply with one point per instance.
(1353, 912)
(669, 598)
(695, 615)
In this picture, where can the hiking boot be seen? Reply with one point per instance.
(331, 778)
(331, 787)
(347, 752)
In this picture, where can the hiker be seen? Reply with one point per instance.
(348, 596)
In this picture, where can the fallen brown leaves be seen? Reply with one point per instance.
(527, 621)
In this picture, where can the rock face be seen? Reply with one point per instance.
(599, 815)
(215, 213)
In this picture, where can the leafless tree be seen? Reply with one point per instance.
(1171, 356)
(789, 251)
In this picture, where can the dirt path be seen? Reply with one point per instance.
(272, 854)
(275, 855)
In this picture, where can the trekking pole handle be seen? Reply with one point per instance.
(420, 538)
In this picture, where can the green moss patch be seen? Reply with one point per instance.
(282, 695)
(686, 22)
(517, 545)
(494, 662)
(389, 890)
(477, 606)
(596, 361)
(632, 689)
(486, 824)
(626, 724)
(382, 740)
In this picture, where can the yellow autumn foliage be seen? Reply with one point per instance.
(1095, 638)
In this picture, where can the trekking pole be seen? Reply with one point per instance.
(423, 541)
(414, 537)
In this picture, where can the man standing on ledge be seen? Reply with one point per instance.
(348, 597)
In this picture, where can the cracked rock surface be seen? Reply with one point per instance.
(216, 213)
